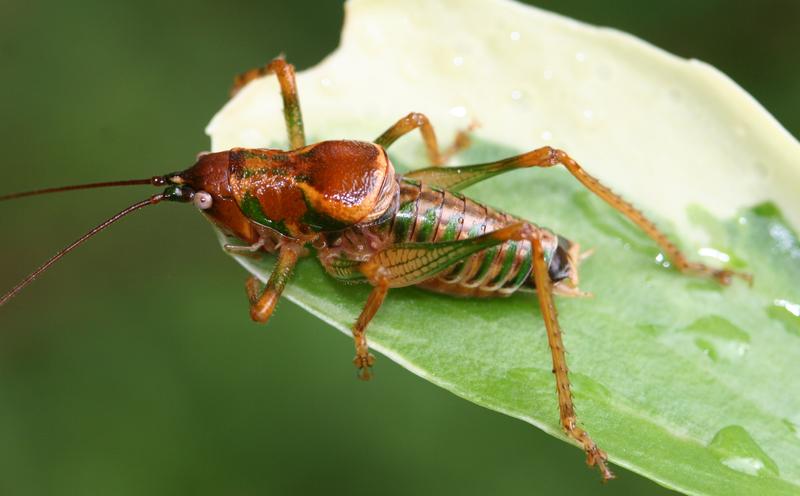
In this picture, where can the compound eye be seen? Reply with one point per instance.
(202, 200)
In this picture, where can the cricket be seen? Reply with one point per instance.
(343, 202)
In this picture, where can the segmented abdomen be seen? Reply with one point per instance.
(429, 214)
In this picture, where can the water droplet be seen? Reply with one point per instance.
(662, 261)
(761, 168)
(718, 338)
(580, 56)
(326, 82)
(736, 449)
(458, 111)
(584, 386)
(792, 308)
(787, 313)
(782, 236)
(516, 95)
(651, 329)
(588, 114)
(514, 35)
(458, 61)
(707, 348)
(547, 135)
(711, 252)
(793, 427)
(603, 72)
(742, 221)
(750, 466)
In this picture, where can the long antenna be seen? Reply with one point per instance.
(155, 181)
(136, 206)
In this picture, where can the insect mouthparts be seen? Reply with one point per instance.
(178, 193)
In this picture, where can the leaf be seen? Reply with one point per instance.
(678, 379)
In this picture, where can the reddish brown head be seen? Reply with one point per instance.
(209, 182)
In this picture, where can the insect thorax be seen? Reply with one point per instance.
(325, 187)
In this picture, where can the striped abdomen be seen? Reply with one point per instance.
(429, 214)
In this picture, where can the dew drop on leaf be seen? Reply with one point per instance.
(737, 450)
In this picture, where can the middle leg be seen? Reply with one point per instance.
(291, 103)
(262, 305)
(406, 264)
(415, 120)
(364, 359)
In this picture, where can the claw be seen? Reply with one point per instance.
(570, 291)
(722, 276)
(364, 365)
(598, 457)
(364, 374)
(725, 277)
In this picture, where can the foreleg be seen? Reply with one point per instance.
(364, 359)
(262, 305)
(247, 251)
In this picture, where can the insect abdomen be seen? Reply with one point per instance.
(429, 214)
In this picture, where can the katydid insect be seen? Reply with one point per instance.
(343, 201)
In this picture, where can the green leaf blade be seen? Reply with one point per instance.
(677, 378)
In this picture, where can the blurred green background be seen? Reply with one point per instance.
(132, 367)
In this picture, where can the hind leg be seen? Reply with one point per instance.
(406, 264)
(569, 420)
(364, 359)
(457, 178)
